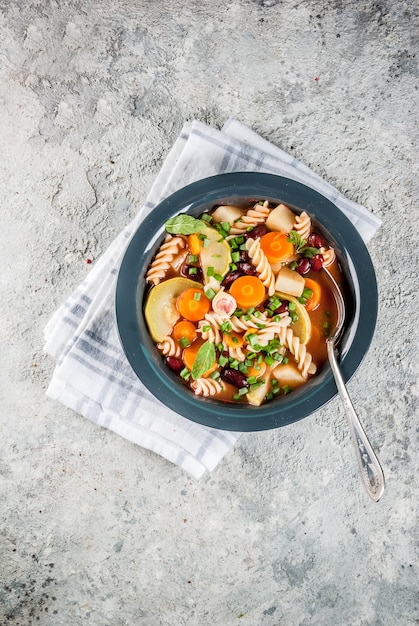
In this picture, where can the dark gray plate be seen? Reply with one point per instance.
(362, 300)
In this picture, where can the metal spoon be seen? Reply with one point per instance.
(369, 466)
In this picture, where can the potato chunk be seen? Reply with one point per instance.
(281, 219)
(289, 282)
(228, 213)
(290, 375)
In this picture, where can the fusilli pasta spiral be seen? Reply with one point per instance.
(302, 225)
(261, 263)
(298, 350)
(210, 328)
(328, 256)
(164, 258)
(253, 217)
(206, 386)
(273, 329)
(247, 321)
(236, 353)
(169, 347)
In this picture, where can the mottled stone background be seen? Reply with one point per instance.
(95, 530)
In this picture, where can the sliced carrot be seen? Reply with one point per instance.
(189, 356)
(233, 339)
(194, 243)
(192, 304)
(314, 300)
(276, 247)
(184, 330)
(248, 291)
(252, 371)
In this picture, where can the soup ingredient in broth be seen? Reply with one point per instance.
(314, 298)
(192, 304)
(214, 254)
(248, 291)
(276, 247)
(184, 332)
(289, 282)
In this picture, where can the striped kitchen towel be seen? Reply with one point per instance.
(92, 375)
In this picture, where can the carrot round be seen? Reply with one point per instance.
(314, 300)
(184, 330)
(252, 371)
(192, 304)
(189, 356)
(248, 291)
(276, 247)
(194, 243)
(233, 339)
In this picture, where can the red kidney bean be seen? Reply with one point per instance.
(243, 268)
(231, 277)
(246, 268)
(316, 241)
(316, 263)
(257, 232)
(282, 309)
(176, 365)
(303, 266)
(234, 377)
(196, 275)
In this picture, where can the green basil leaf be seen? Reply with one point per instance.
(297, 241)
(204, 360)
(309, 252)
(184, 225)
(300, 245)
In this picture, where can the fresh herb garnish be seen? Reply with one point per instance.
(301, 246)
(184, 225)
(204, 360)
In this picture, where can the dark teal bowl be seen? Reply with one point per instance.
(361, 301)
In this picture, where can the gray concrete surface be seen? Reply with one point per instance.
(95, 530)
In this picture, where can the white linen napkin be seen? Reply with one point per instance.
(92, 375)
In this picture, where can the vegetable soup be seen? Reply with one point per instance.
(237, 301)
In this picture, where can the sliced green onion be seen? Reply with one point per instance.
(223, 360)
(210, 293)
(185, 373)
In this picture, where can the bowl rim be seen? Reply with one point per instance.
(145, 360)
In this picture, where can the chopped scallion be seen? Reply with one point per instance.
(210, 293)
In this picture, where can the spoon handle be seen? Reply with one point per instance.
(371, 472)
